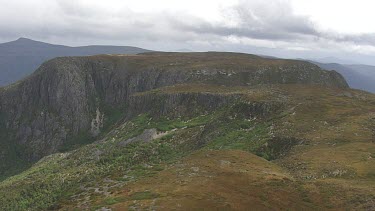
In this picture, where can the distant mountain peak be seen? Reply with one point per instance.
(24, 39)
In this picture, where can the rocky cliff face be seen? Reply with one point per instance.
(71, 96)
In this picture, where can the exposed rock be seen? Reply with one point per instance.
(147, 136)
(97, 123)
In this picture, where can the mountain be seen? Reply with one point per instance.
(334, 60)
(185, 131)
(358, 76)
(366, 70)
(66, 98)
(20, 57)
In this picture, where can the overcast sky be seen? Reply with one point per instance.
(285, 28)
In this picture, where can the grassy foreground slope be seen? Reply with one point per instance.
(274, 147)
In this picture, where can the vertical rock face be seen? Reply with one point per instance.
(69, 96)
(46, 109)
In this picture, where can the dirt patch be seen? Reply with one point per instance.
(147, 136)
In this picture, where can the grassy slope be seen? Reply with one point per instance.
(331, 167)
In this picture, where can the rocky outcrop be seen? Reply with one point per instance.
(69, 96)
(146, 136)
(174, 105)
(97, 123)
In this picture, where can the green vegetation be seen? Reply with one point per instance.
(144, 195)
(83, 138)
(112, 200)
(112, 116)
(244, 135)
(12, 156)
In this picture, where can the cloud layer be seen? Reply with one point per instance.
(253, 23)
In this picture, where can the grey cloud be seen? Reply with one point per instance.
(360, 39)
(271, 20)
(259, 20)
(75, 22)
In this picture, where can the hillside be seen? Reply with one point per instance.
(148, 131)
(20, 57)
